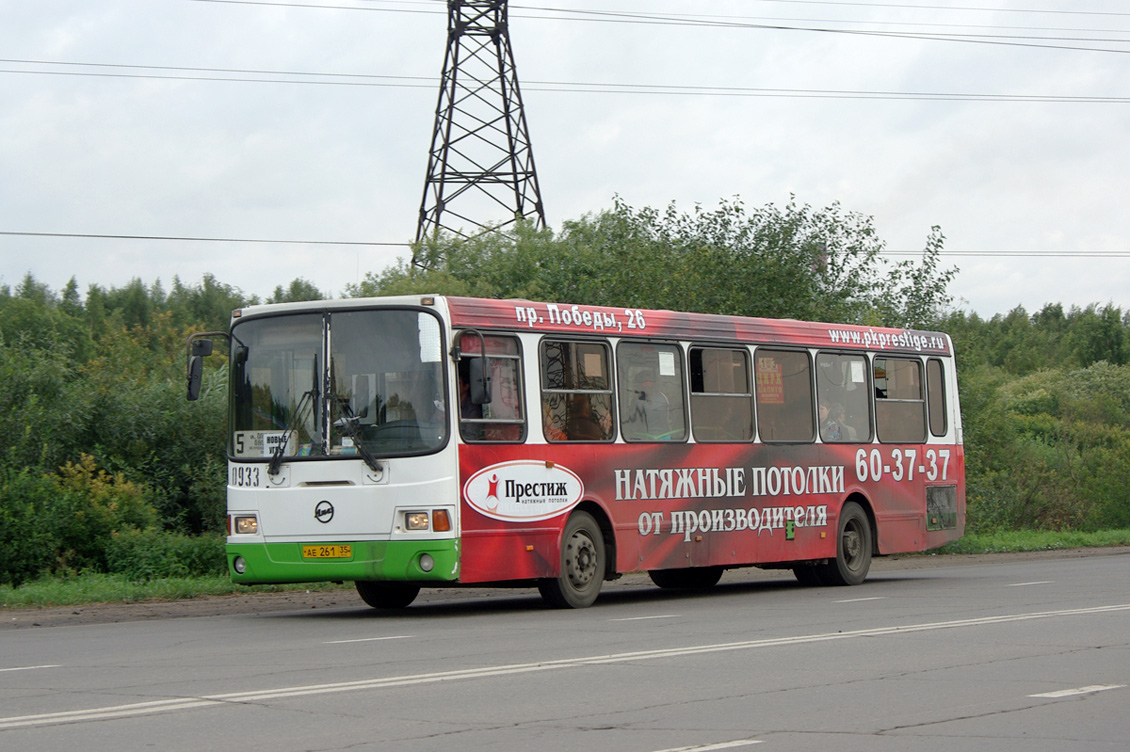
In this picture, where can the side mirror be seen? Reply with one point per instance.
(195, 375)
(199, 348)
(479, 381)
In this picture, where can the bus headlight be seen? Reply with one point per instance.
(239, 565)
(416, 520)
(246, 525)
(427, 563)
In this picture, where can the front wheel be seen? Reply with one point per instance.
(387, 594)
(582, 565)
(853, 549)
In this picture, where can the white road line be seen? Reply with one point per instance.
(175, 704)
(646, 618)
(1026, 584)
(30, 668)
(1079, 691)
(369, 639)
(861, 600)
(719, 745)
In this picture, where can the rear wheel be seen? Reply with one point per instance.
(695, 578)
(853, 549)
(582, 565)
(387, 594)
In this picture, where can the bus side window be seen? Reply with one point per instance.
(651, 392)
(721, 395)
(936, 392)
(900, 407)
(784, 396)
(843, 397)
(501, 419)
(576, 389)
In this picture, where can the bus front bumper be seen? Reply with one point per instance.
(417, 561)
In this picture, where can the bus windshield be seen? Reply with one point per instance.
(337, 384)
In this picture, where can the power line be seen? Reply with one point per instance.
(312, 78)
(994, 253)
(98, 236)
(738, 22)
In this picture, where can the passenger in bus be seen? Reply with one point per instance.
(847, 432)
(830, 428)
(582, 426)
(833, 424)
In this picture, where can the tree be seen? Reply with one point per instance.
(790, 262)
(298, 290)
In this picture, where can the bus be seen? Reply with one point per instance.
(410, 442)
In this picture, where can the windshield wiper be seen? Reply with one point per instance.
(348, 424)
(292, 423)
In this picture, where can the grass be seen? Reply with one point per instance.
(74, 590)
(78, 589)
(1034, 540)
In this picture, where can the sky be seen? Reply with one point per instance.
(159, 138)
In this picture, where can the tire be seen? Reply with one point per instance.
(582, 565)
(853, 549)
(387, 594)
(695, 578)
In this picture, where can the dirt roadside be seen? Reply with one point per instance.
(262, 603)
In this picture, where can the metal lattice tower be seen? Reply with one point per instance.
(480, 167)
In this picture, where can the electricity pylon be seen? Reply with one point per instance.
(480, 166)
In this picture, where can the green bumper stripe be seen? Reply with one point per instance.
(393, 561)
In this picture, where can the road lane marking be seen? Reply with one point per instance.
(861, 600)
(186, 703)
(646, 618)
(369, 639)
(30, 668)
(1079, 691)
(1026, 584)
(719, 745)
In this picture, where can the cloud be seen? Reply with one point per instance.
(200, 157)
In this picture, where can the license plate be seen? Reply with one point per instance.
(334, 551)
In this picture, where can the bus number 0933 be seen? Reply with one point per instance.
(903, 465)
(243, 476)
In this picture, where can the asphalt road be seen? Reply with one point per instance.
(1019, 653)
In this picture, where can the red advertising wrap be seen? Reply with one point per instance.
(672, 505)
(693, 505)
(671, 325)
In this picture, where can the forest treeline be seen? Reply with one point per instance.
(106, 466)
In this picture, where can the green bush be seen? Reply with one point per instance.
(90, 508)
(27, 545)
(143, 555)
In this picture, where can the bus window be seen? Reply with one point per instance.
(651, 392)
(500, 419)
(842, 394)
(721, 395)
(900, 410)
(576, 391)
(936, 391)
(784, 396)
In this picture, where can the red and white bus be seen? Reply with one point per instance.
(408, 442)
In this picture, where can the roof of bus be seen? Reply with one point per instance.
(526, 315)
(660, 324)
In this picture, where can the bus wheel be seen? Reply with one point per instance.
(387, 594)
(582, 565)
(695, 578)
(853, 549)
